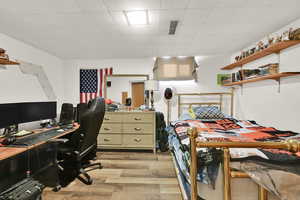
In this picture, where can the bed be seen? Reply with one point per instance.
(245, 148)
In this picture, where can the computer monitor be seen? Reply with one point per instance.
(35, 111)
(9, 114)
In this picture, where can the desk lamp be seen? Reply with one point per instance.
(152, 85)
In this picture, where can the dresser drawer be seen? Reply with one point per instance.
(111, 128)
(138, 140)
(108, 139)
(138, 117)
(112, 117)
(138, 128)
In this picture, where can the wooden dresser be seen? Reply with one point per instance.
(128, 130)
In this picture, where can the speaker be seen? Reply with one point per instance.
(128, 102)
(168, 93)
(80, 110)
(66, 114)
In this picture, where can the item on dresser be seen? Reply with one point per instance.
(128, 102)
(295, 35)
(272, 68)
(3, 55)
(112, 107)
(260, 45)
(250, 73)
(223, 79)
(270, 40)
(278, 38)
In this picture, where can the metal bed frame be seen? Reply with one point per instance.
(219, 103)
(228, 174)
(290, 145)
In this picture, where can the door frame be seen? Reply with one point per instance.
(121, 75)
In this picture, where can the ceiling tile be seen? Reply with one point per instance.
(91, 5)
(120, 5)
(173, 4)
(98, 29)
(40, 6)
(209, 4)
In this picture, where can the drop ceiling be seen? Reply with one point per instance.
(96, 29)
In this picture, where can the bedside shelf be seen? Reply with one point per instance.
(8, 62)
(261, 78)
(275, 48)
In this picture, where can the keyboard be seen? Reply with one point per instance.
(27, 189)
(37, 138)
(22, 133)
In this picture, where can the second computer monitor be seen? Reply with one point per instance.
(35, 111)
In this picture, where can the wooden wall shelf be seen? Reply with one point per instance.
(275, 48)
(268, 77)
(8, 62)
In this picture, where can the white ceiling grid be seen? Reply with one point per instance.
(95, 29)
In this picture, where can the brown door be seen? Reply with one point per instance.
(137, 94)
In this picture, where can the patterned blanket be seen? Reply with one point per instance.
(240, 131)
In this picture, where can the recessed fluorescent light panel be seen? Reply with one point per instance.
(137, 17)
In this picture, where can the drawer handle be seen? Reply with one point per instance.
(137, 119)
(137, 129)
(106, 140)
(107, 129)
(106, 118)
(137, 140)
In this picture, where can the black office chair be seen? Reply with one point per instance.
(74, 156)
(80, 110)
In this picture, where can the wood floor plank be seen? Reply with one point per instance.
(126, 175)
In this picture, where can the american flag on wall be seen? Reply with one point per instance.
(92, 83)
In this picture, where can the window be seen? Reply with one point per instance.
(175, 68)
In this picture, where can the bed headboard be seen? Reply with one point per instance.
(218, 102)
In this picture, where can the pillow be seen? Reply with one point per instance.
(208, 112)
(186, 116)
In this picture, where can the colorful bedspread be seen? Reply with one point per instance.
(228, 130)
(240, 131)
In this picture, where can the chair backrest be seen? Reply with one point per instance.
(90, 124)
(80, 110)
(66, 114)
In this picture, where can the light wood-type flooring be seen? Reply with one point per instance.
(126, 175)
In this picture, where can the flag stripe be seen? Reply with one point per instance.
(101, 82)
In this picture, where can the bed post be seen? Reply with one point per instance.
(179, 104)
(193, 168)
(262, 193)
(226, 175)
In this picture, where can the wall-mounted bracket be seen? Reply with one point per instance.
(279, 84)
(242, 89)
(40, 74)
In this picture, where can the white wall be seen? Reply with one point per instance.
(209, 67)
(262, 102)
(121, 84)
(18, 87)
(120, 66)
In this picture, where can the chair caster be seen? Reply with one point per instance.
(56, 188)
(90, 182)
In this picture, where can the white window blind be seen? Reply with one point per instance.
(175, 69)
